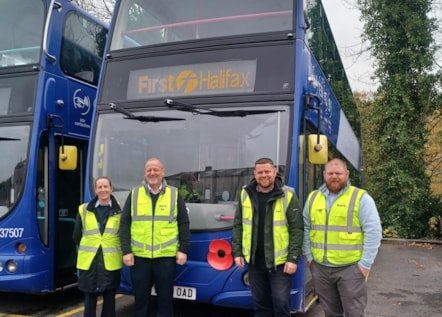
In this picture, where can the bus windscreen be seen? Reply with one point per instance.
(148, 22)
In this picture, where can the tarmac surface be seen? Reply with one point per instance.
(406, 280)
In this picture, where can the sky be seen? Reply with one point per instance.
(347, 30)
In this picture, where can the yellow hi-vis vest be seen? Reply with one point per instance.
(92, 239)
(154, 233)
(336, 237)
(280, 227)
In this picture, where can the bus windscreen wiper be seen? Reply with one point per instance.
(224, 113)
(131, 116)
(8, 139)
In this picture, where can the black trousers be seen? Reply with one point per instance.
(90, 303)
(149, 272)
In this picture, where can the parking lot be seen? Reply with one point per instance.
(406, 280)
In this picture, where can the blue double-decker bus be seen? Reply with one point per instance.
(209, 87)
(50, 59)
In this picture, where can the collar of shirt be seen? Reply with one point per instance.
(326, 192)
(331, 197)
(98, 203)
(155, 192)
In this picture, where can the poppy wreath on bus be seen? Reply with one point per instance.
(220, 255)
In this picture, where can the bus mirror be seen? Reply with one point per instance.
(68, 157)
(317, 149)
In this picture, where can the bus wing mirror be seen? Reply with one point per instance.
(317, 149)
(68, 158)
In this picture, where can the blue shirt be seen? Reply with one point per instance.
(368, 218)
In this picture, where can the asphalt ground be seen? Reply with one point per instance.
(406, 280)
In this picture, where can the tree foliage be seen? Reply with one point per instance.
(434, 154)
(401, 37)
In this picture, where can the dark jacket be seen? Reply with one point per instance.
(182, 219)
(294, 222)
(97, 278)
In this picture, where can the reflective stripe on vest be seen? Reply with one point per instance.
(154, 233)
(280, 229)
(92, 239)
(336, 237)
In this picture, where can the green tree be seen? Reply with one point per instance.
(364, 103)
(401, 37)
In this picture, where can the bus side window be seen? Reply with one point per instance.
(82, 48)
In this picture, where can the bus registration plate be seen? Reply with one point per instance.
(180, 292)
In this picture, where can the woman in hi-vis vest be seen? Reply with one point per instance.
(99, 259)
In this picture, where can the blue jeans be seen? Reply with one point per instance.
(270, 291)
(148, 272)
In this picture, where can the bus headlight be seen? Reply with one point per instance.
(1, 266)
(11, 266)
(245, 278)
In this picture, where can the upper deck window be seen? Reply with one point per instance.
(21, 29)
(82, 48)
(150, 22)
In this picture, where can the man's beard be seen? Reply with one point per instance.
(335, 187)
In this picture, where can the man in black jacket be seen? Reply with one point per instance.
(155, 236)
(267, 235)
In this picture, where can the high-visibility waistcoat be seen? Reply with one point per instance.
(154, 234)
(92, 239)
(280, 228)
(336, 237)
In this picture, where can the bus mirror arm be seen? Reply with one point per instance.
(67, 155)
(313, 102)
(50, 124)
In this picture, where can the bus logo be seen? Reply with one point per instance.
(196, 79)
(187, 81)
(82, 102)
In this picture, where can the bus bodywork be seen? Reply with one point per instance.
(50, 59)
(209, 87)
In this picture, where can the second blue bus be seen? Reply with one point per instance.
(50, 59)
